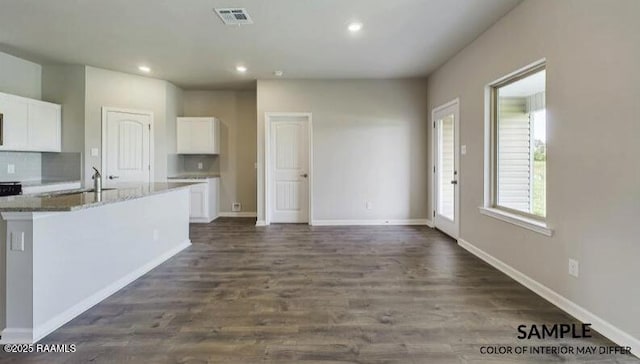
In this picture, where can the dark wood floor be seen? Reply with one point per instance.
(300, 294)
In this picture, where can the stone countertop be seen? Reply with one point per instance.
(46, 182)
(195, 176)
(82, 199)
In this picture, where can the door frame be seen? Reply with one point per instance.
(434, 145)
(268, 116)
(105, 111)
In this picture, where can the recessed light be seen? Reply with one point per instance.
(144, 69)
(355, 27)
(241, 69)
(278, 73)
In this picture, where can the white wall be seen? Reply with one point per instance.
(369, 144)
(592, 50)
(20, 77)
(116, 89)
(65, 85)
(237, 113)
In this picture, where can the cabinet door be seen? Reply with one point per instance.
(14, 123)
(44, 127)
(215, 136)
(199, 203)
(201, 136)
(184, 135)
(196, 136)
(214, 197)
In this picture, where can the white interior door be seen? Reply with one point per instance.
(289, 170)
(446, 162)
(126, 147)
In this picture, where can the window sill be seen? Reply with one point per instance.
(530, 224)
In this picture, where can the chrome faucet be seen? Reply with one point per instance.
(97, 181)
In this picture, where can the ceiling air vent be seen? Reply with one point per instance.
(234, 16)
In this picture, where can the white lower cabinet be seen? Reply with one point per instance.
(203, 198)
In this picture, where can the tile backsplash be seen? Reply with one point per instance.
(178, 164)
(61, 166)
(27, 166)
(34, 166)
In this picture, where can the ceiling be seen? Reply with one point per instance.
(186, 43)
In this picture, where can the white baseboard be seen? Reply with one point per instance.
(200, 220)
(261, 223)
(429, 223)
(605, 328)
(369, 222)
(15, 336)
(238, 214)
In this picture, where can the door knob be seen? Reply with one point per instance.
(454, 182)
(114, 177)
(304, 175)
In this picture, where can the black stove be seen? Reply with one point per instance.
(10, 188)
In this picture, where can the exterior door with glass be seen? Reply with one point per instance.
(446, 173)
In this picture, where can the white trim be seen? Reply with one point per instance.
(11, 335)
(429, 223)
(489, 159)
(605, 328)
(425, 222)
(530, 224)
(105, 111)
(200, 220)
(17, 336)
(455, 102)
(267, 160)
(238, 214)
(261, 223)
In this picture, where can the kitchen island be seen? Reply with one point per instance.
(63, 253)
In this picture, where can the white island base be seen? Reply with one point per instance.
(59, 264)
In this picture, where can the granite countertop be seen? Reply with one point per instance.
(46, 182)
(195, 176)
(82, 199)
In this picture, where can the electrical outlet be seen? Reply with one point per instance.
(463, 150)
(574, 268)
(236, 207)
(200, 165)
(369, 205)
(11, 168)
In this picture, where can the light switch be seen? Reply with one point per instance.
(11, 168)
(17, 240)
(463, 149)
(95, 152)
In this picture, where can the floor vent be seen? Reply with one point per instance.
(234, 16)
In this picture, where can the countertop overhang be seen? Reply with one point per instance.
(83, 199)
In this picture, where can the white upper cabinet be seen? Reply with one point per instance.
(198, 135)
(13, 127)
(44, 127)
(30, 125)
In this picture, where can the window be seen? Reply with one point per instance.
(518, 144)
